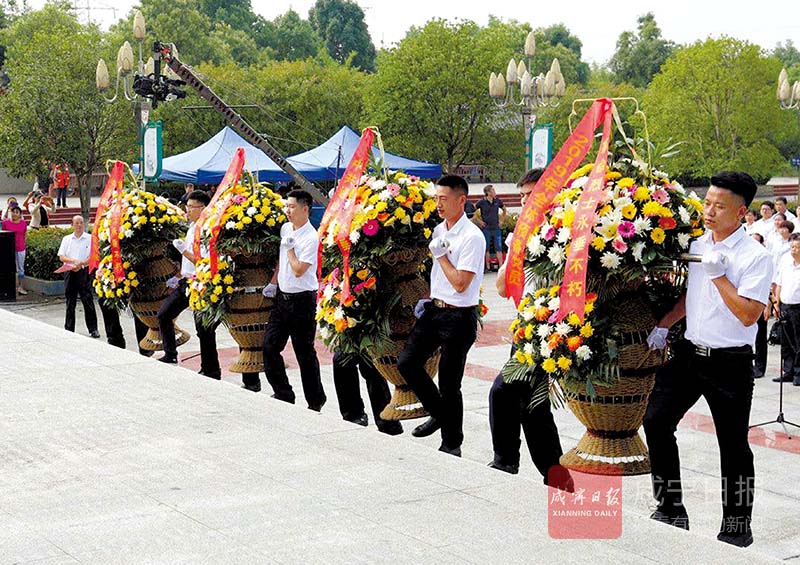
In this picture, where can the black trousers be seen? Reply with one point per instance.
(726, 382)
(760, 360)
(114, 332)
(508, 413)
(454, 331)
(348, 391)
(790, 333)
(209, 357)
(77, 284)
(293, 315)
(61, 197)
(175, 303)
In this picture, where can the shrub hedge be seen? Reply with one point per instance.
(41, 258)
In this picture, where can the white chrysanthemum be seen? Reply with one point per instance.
(403, 181)
(684, 214)
(622, 201)
(545, 350)
(636, 250)
(544, 331)
(562, 328)
(103, 236)
(553, 303)
(579, 182)
(535, 246)
(328, 292)
(385, 195)
(354, 236)
(527, 314)
(230, 225)
(252, 211)
(428, 188)
(329, 240)
(610, 260)
(583, 352)
(660, 174)
(678, 188)
(607, 230)
(642, 225)
(563, 235)
(134, 219)
(528, 348)
(378, 184)
(683, 240)
(128, 233)
(338, 314)
(556, 254)
(324, 332)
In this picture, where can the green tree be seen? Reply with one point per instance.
(718, 96)
(639, 56)
(341, 25)
(789, 57)
(52, 112)
(238, 14)
(289, 37)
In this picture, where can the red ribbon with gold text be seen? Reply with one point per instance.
(573, 287)
(114, 228)
(342, 207)
(211, 216)
(114, 180)
(551, 182)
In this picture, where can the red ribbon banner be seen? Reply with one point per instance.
(115, 226)
(114, 179)
(211, 216)
(342, 207)
(551, 182)
(573, 287)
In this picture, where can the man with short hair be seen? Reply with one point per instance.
(187, 190)
(724, 298)
(490, 211)
(74, 252)
(765, 225)
(781, 207)
(294, 286)
(448, 321)
(787, 295)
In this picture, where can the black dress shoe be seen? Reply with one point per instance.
(254, 388)
(784, 379)
(758, 374)
(170, 360)
(739, 540)
(390, 428)
(318, 407)
(362, 420)
(510, 469)
(679, 520)
(450, 450)
(95, 334)
(216, 375)
(275, 396)
(146, 353)
(426, 428)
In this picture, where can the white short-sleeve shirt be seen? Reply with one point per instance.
(306, 248)
(466, 253)
(709, 322)
(77, 248)
(788, 278)
(187, 267)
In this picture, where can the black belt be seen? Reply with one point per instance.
(703, 351)
(442, 304)
(294, 295)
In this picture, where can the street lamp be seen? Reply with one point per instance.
(126, 78)
(789, 98)
(520, 88)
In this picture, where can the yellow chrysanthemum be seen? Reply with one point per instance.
(564, 363)
(549, 365)
(628, 212)
(641, 194)
(587, 330)
(658, 235)
(599, 243)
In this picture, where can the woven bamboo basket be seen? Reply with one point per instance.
(248, 312)
(403, 266)
(153, 273)
(611, 444)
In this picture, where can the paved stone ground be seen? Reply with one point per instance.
(111, 457)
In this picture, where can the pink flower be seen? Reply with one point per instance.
(550, 234)
(661, 196)
(619, 245)
(371, 227)
(626, 229)
(394, 189)
(238, 199)
(359, 287)
(553, 318)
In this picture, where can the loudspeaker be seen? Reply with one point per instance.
(8, 266)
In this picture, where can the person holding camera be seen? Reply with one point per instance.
(38, 206)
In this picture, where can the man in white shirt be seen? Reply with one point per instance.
(294, 286)
(725, 296)
(449, 320)
(74, 251)
(787, 290)
(782, 208)
(766, 224)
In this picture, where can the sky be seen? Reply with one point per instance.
(597, 24)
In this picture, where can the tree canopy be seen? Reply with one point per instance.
(639, 56)
(341, 25)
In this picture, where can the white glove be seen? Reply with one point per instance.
(270, 290)
(438, 247)
(419, 309)
(173, 282)
(179, 244)
(287, 243)
(715, 263)
(657, 338)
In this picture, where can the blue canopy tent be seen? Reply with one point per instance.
(207, 163)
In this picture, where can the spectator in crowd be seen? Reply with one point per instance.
(490, 211)
(187, 190)
(781, 242)
(469, 209)
(782, 208)
(60, 179)
(773, 238)
(39, 207)
(16, 224)
(787, 293)
(766, 224)
(749, 222)
(74, 253)
(11, 202)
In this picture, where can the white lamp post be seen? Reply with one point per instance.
(789, 99)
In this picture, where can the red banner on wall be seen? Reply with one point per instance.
(342, 207)
(114, 179)
(551, 182)
(211, 216)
